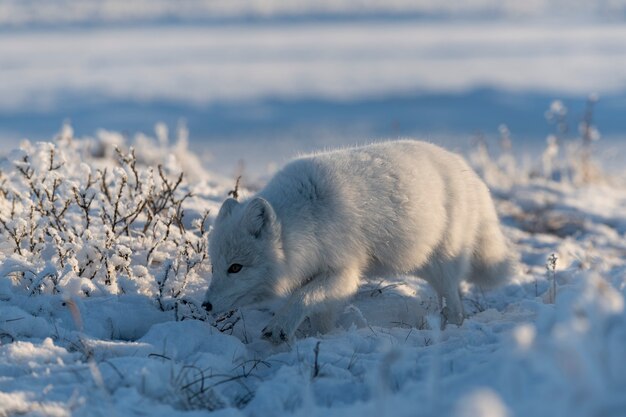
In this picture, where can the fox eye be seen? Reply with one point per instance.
(234, 268)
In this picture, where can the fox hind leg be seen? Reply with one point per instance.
(445, 275)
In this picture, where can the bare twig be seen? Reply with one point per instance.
(235, 191)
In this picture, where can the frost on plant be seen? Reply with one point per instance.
(576, 165)
(95, 226)
(551, 271)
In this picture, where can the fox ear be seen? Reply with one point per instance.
(227, 208)
(259, 216)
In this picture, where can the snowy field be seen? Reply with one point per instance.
(103, 267)
(340, 61)
(294, 79)
(104, 221)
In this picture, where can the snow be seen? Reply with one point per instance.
(104, 317)
(301, 85)
(28, 12)
(134, 341)
(326, 60)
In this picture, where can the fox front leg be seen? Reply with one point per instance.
(319, 295)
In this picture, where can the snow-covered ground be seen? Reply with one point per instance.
(20, 13)
(288, 86)
(329, 60)
(102, 317)
(103, 260)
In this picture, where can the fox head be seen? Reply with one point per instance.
(246, 254)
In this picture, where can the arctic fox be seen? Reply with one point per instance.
(325, 220)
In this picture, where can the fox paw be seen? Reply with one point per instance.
(275, 333)
(448, 316)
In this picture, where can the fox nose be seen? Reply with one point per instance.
(207, 306)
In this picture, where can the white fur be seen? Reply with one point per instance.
(325, 220)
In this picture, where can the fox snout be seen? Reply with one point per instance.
(207, 306)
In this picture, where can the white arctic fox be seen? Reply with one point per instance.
(323, 221)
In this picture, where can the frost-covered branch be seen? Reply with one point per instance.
(102, 223)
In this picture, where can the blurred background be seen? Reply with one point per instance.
(259, 80)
